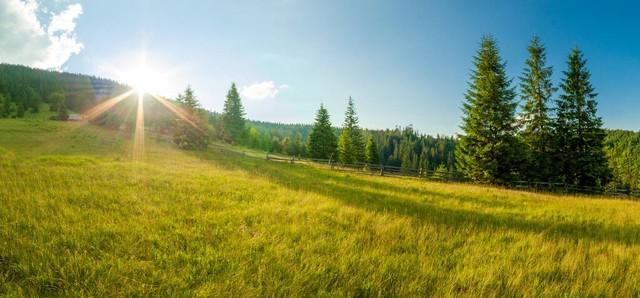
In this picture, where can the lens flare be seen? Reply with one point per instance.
(138, 143)
(178, 111)
(105, 105)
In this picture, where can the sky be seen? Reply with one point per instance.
(403, 62)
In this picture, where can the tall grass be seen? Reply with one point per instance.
(78, 217)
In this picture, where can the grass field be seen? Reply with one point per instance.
(78, 217)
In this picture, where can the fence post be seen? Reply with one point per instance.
(267, 155)
(381, 170)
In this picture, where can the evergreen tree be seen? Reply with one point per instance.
(322, 141)
(350, 144)
(579, 148)
(489, 149)
(233, 116)
(372, 152)
(536, 90)
(185, 135)
(189, 100)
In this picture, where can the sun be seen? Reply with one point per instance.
(144, 78)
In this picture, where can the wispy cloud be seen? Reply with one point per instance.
(25, 40)
(262, 91)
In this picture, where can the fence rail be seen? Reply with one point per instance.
(394, 171)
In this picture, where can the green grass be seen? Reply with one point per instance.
(77, 217)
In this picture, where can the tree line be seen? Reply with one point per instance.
(562, 143)
(554, 136)
(24, 90)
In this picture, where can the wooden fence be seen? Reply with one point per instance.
(444, 176)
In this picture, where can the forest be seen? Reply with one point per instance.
(27, 90)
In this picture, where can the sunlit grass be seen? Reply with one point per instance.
(78, 217)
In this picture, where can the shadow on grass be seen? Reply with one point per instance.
(353, 191)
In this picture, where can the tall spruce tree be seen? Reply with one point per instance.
(372, 155)
(536, 90)
(579, 146)
(322, 140)
(350, 144)
(489, 151)
(233, 116)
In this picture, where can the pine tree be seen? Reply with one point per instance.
(536, 90)
(350, 144)
(322, 140)
(233, 116)
(579, 147)
(489, 150)
(372, 152)
(185, 135)
(189, 100)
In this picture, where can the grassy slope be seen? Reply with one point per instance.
(77, 217)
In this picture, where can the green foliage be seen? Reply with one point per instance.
(536, 91)
(406, 147)
(322, 140)
(489, 150)
(372, 156)
(579, 135)
(233, 116)
(350, 144)
(192, 134)
(188, 100)
(20, 110)
(56, 99)
(623, 152)
(63, 114)
(27, 88)
(78, 219)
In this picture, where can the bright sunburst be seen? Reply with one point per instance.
(144, 78)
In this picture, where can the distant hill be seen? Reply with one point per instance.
(24, 89)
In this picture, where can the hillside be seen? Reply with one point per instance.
(78, 217)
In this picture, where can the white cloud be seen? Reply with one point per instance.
(262, 91)
(66, 20)
(25, 40)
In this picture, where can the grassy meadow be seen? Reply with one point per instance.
(79, 218)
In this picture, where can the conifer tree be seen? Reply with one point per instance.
(489, 150)
(350, 144)
(536, 90)
(372, 152)
(186, 136)
(233, 116)
(189, 100)
(579, 147)
(322, 140)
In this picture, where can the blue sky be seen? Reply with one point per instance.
(403, 62)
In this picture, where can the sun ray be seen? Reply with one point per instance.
(105, 105)
(138, 143)
(178, 111)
